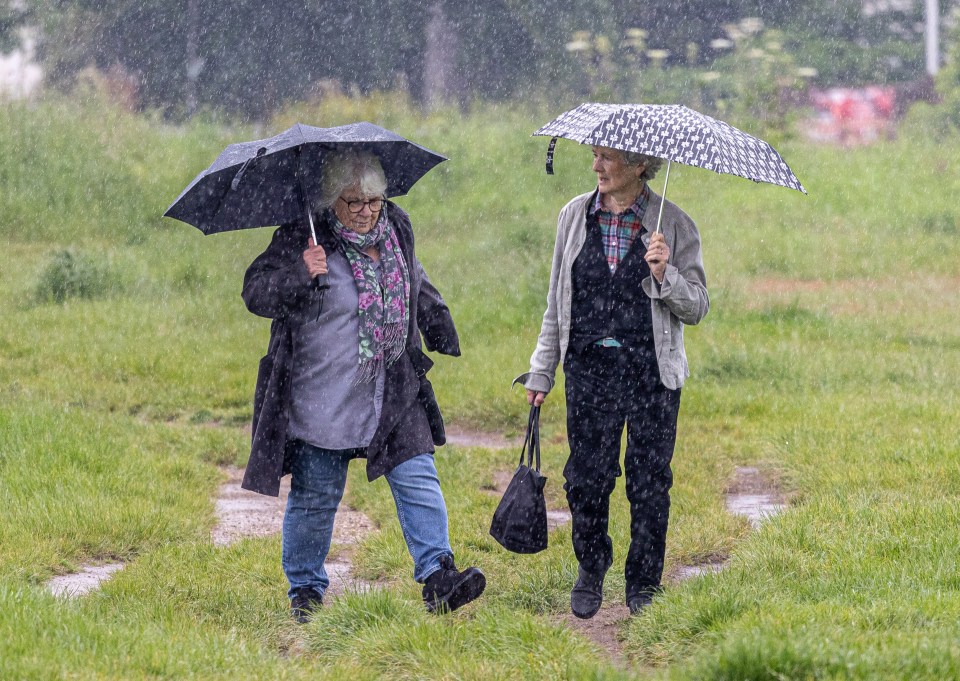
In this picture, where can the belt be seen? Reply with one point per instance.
(609, 343)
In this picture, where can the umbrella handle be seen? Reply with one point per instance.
(553, 144)
(663, 197)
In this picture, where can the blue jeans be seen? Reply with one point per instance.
(316, 488)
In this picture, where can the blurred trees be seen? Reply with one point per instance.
(249, 58)
(11, 18)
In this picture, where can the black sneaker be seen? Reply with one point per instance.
(587, 594)
(305, 600)
(447, 589)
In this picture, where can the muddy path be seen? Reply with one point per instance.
(242, 514)
(751, 493)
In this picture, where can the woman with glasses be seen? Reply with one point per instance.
(344, 377)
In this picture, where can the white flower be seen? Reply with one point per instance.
(751, 25)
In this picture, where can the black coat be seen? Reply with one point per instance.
(278, 286)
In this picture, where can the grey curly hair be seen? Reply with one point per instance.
(635, 158)
(343, 169)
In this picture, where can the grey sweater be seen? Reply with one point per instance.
(680, 299)
(328, 409)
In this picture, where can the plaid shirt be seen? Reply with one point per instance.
(618, 231)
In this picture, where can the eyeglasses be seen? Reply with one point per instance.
(356, 206)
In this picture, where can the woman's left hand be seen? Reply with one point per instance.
(658, 253)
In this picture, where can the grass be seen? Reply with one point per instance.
(829, 359)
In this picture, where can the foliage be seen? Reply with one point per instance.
(255, 59)
(11, 18)
(73, 275)
(753, 82)
(944, 117)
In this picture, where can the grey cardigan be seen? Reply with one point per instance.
(680, 299)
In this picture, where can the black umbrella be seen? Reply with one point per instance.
(264, 182)
(674, 133)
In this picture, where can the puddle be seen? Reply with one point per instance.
(556, 518)
(470, 438)
(500, 481)
(83, 582)
(242, 513)
(754, 496)
(342, 581)
(755, 507)
(684, 572)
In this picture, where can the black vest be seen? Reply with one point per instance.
(609, 304)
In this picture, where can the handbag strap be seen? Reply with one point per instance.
(531, 441)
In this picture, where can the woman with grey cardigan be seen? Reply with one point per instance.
(620, 294)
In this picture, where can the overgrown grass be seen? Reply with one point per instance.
(829, 358)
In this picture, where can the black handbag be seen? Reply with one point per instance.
(520, 521)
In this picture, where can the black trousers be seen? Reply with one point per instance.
(607, 388)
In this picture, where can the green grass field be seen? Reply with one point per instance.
(828, 360)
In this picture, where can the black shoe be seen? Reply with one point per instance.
(587, 594)
(305, 600)
(447, 589)
(638, 603)
(641, 600)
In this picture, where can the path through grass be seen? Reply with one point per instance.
(828, 361)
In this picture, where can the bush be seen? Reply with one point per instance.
(74, 275)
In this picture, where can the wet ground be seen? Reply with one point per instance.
(752, 493)
(83, 582)
(241, 514)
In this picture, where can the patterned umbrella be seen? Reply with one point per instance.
(674, 133)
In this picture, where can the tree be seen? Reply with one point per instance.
(250, 59)
(13, 15)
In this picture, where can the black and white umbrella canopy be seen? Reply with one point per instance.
(674, 133)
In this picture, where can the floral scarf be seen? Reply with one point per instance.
(383, 301)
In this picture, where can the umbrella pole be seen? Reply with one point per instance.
(313, 232)
(663, 197)
(304, 202)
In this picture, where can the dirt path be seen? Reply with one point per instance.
(462, 437)
(241, 514)
(752, 493)
(81, 583)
